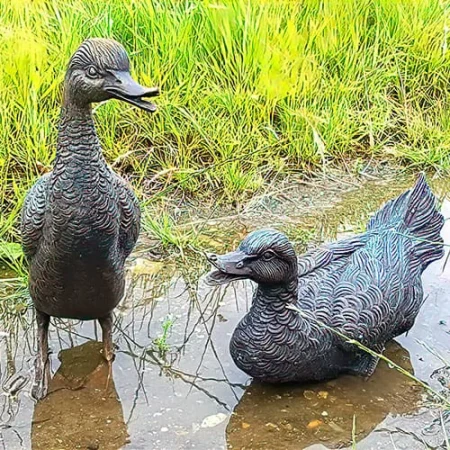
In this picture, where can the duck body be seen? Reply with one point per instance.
(92, 222)
(80, 222)
(354, 292)
(367, 288)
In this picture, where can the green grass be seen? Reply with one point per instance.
(249, 89)
(13, 281)
(160, 342)
(161, 224)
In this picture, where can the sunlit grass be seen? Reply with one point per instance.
(248, 89)
(161, 225)
(13, 280)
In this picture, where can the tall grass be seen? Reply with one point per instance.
(249, 88)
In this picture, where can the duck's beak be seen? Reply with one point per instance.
(230, 267)
(122, 87)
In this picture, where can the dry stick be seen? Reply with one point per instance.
(354, 432)
(447, 443)
(444, 400)
(433, 352)
(392, 440)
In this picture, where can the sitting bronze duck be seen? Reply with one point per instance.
(81, 221)
(368, 288)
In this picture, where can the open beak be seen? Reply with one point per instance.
(229, 267)
(123, 87)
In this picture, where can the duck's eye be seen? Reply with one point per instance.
(268, 255)
(92, 72)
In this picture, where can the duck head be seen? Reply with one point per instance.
(264, 256)
(100, 70)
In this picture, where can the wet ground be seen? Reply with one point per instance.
(174, 385)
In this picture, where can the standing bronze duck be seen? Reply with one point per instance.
(81, 221)
(368, 288)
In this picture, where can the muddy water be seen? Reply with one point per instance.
(179, 388)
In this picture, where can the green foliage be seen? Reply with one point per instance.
(12, 260)
(248, 88)
(161, 342)
(13, 280)
(161, 225)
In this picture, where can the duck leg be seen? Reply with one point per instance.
(41, 364)
(108, 348)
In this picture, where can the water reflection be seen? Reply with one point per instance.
(192, 396)
(82, 409)
(299, 416)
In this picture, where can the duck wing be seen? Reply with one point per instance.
(322, 257)
(369, 287)
(365, 287)
(379, 292)
(33, 216)
(130, 216)
(319, 269)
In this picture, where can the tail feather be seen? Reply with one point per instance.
(414, 214)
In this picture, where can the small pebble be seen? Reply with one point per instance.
(271, 426)
(322, 394)
(314, 424)
(214, 420)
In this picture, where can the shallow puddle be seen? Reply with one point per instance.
(174, 385)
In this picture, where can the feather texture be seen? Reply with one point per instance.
(80, 221)
(367, 287)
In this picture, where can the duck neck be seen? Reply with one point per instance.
(77, 142)
(277, 294)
